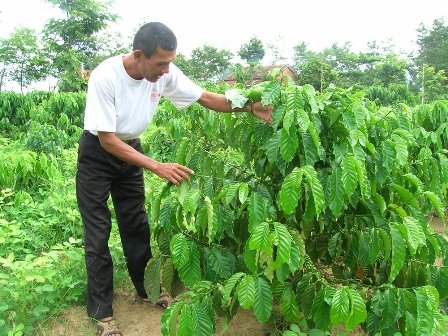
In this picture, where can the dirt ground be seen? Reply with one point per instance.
(137, 319)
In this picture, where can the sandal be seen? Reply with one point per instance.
(107, 328)
(162, 303)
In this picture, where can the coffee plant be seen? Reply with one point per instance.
(321, 215)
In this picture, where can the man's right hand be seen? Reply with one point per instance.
(173, 172)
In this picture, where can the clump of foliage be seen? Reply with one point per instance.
(322, 213)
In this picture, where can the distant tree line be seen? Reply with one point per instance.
(69, 48)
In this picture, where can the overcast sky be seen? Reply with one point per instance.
(228, 24)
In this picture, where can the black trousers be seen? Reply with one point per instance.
(100, 174)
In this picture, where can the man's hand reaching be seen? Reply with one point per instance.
(262, 112)
(173, 172)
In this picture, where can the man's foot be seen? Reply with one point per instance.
(162, 303)
(107, 327)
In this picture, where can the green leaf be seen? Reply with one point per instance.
(243, 191)
(237, 97)
(190, 274)
(202, 324)
(401, 149)
(230, 284)
(260, 239)
(321, 311)
(398, 252)
(406, 196)
(152, 279)
(289, 195)
(257, 211)
(263, 300)
(358, 310)
(185, 322)
(436, 201)
(231, 192)
(191, 201)
(210, 211)
(425, 313)
(179, 250)
(316, 188)
(271, 93)
(389, 308)
(246, 291)
(349, 175)
(288, 304)
(283, 245)
(335, 192)
(340, 306)
(220, 262)
(288, 144)
(272, 146)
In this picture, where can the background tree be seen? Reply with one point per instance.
(209, 63)
(318, 73)
(182, 62)
(433, 46)
(276, 49)
(72, 42)
(433, 84)
(23, 59)
(253, 51)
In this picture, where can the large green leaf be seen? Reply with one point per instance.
(190, 273)
(288, 144)
(272, 146)
(398, 252)
(335, 192)
(288, 305)
(202, 324)
(349, 175)
(316, 188)
(271, 93)
(261, 239)
(246, 291)
(263, 300)
(289, 195)
(257, 211)
(186, 322)
(406, 196)
(179, 250)
(358, 312)
(425, 313)
(401, 149)
(389, 307)
(220, 262)
(230, 285)
(340, 306)
(152, 279)
(283, 242)
(437, 202)
(169, 318)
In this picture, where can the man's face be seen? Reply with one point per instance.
(157, 65)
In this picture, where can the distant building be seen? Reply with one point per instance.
(261, 73)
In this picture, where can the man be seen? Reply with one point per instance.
(123, 93)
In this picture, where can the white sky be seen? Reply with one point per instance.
(228, 24)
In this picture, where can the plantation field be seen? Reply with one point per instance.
(325, 221)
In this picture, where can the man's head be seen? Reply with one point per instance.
(152, 35)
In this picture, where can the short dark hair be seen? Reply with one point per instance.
(152, 35)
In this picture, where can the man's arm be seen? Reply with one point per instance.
(171, 171)
(218, 102)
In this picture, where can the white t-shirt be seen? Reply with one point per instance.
(125, 106)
